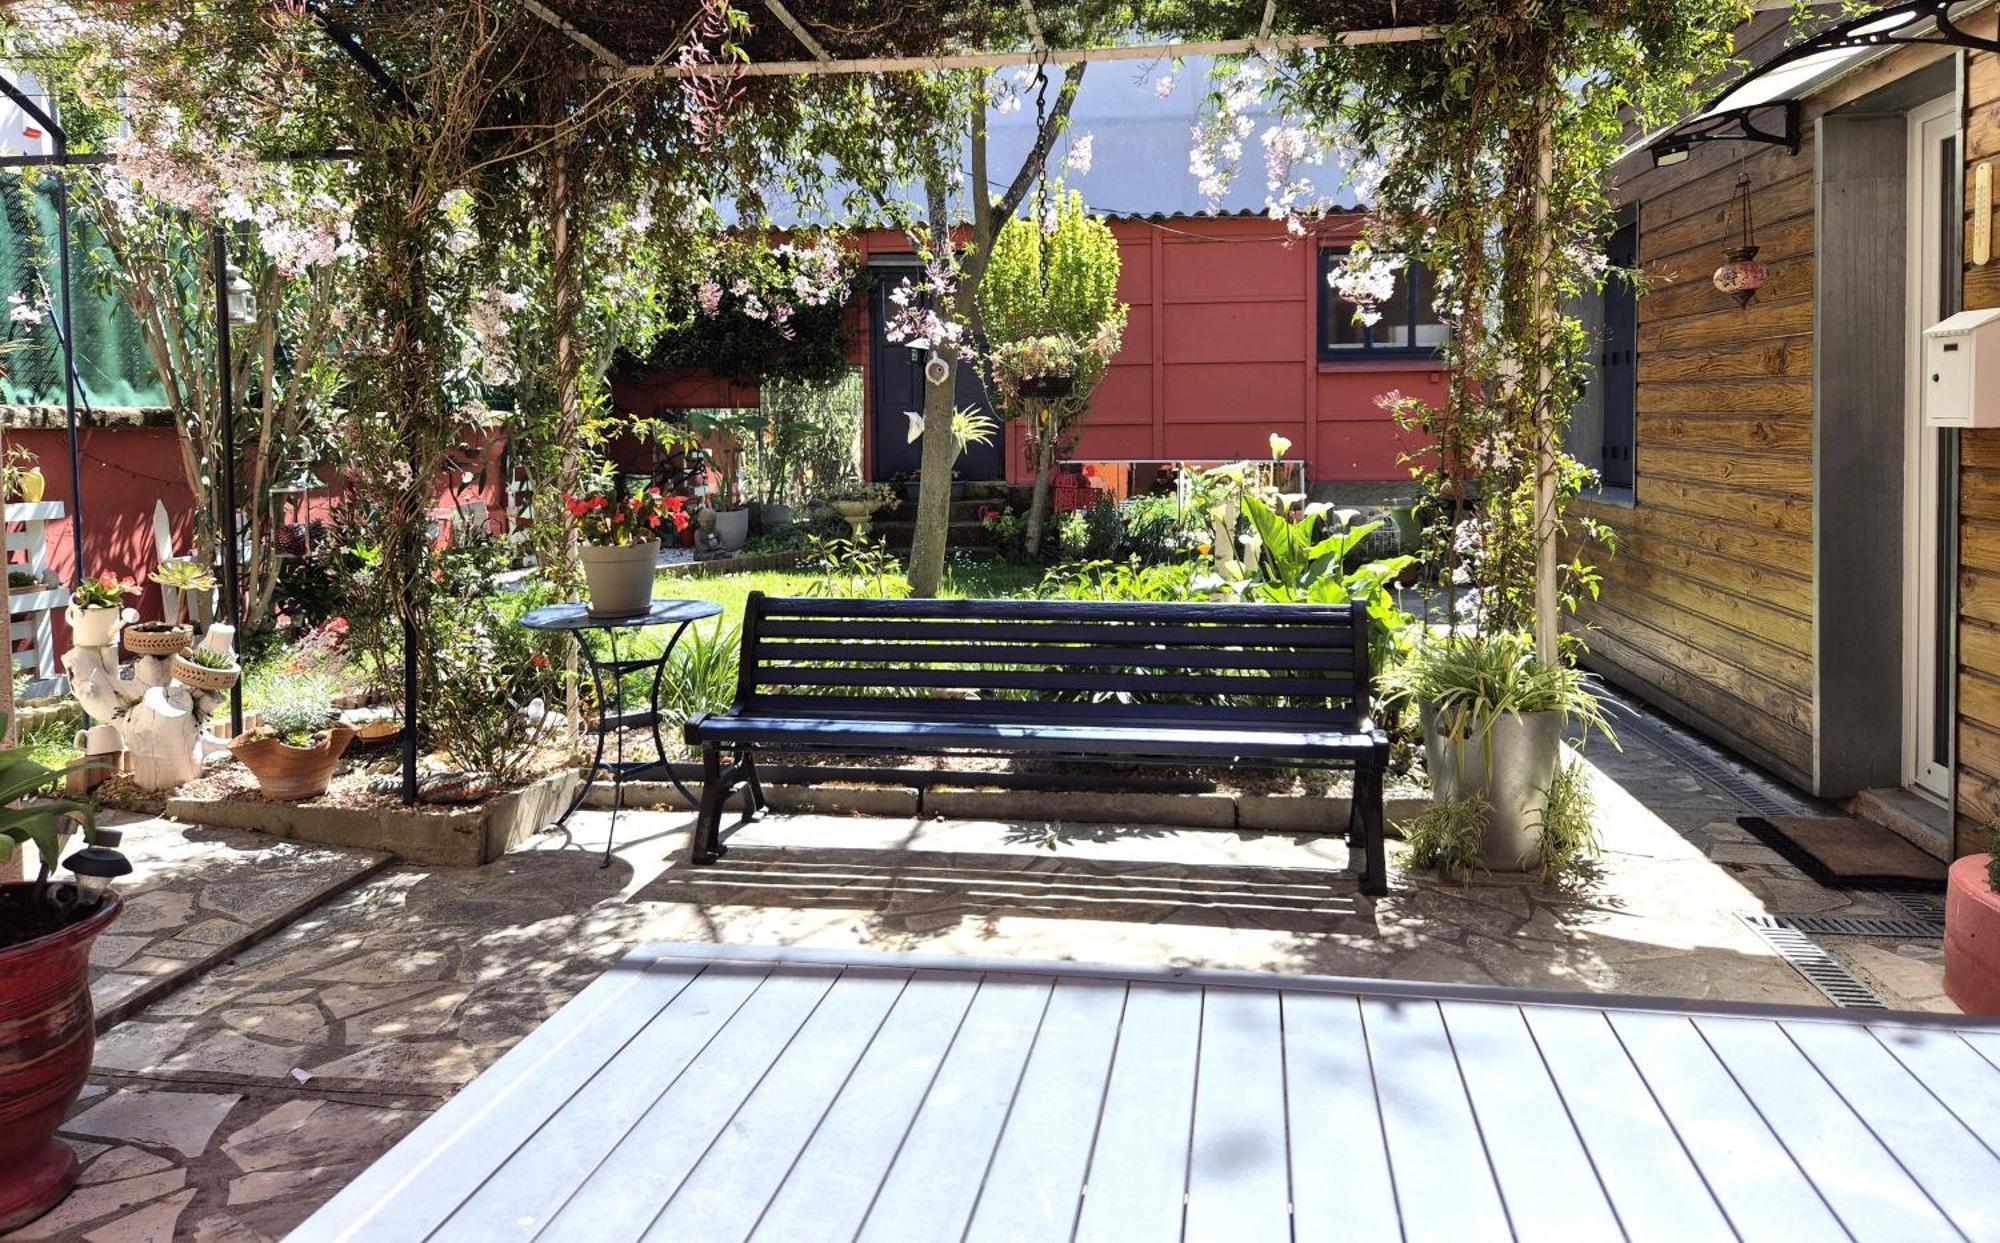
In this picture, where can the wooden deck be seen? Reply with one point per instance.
(702, 1093)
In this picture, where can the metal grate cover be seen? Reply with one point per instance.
(1820, 969)
(1757, 793)
(1911, 929)
(1928, 907)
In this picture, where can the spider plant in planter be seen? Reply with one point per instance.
(183, 577)
(295, 744)
(1493, 717)
(46, 1030)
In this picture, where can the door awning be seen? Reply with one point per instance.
(1763, 105)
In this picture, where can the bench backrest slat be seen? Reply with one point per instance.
(1061, 660)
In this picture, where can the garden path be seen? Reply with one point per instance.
(232, 1108)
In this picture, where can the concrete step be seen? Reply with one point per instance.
(1917, 820)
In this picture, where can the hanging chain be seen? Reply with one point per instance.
(1041, 123)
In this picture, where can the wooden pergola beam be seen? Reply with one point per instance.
(604, 55)
(799, 32)
(1025, 56)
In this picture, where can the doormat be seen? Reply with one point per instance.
(1843, 853)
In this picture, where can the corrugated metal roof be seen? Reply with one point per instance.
(1140, 142)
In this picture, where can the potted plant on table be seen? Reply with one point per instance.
(857, 502)
(621, 546)
(295, 745)
(1493, 716)
(47, 1034)
(97, 609)
(183, 577)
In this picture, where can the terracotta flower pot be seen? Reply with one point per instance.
(288, 774)
(46, 1041)
(1972, 937)
(166, 642)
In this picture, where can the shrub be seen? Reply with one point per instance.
(485, 667)
(1448, 838)
(1007, 531)
(701, 674)
(298, 711)
(1153, 529)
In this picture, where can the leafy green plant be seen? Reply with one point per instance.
(106, 591)
(1300, 561)
(1155, 528)
(44, 822)
(1448, 838)
(209, 658)
(1993, 857)
(299, 712)
(1569, 844)
(1470, 680)
(700, 676)
(858, 569)
(1171, 583)
(1094, 534)
(880, 494)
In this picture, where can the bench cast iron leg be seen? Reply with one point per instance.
(1368, 804)
(758, 804)
(707, 844)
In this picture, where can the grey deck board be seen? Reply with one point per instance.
(648, 1162)
(829, 1190)
(1238, 1184)
(1747, 1169)
(1652, 1182)
(1138, 1166)
(1551, 1188)
(701, 1093)
(1342, 1187)
(1864, 1184)
(729, 1188)
(959, 1123)
(1444, 1181)
(1955, 1170)
(1035, 1180)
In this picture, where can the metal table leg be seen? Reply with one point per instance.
(659, 744)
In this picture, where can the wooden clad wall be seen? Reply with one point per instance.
(1706, 608)
(1979, 506)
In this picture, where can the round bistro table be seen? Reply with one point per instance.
(613, 718)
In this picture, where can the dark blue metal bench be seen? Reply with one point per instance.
(1192, 685)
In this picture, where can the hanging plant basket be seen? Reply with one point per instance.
(1048, 387)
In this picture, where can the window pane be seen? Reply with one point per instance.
(1343, 331)
(1393, 331)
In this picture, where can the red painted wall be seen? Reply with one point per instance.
(127, 470)
(1220, 350)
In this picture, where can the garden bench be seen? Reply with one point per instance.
(1189, 685)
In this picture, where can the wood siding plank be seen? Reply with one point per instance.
(1238, 1162)
(1653, 1184)
(1746, 1168)
(1547, 1180)
(1444, 1181)
(935, 1178)
(1858, 1178)
(1342, 1186)
(1036, 1181)
(1137, 1184)
(829, 1189)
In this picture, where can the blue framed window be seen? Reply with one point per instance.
(1409, 327)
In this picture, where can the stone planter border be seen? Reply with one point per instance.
(438, 835)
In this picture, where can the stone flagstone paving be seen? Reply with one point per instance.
(230, 1109)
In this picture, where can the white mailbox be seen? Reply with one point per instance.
(1962, 370)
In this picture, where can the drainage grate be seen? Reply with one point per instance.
(1821, 970)
(1928, 907)
(1755, 792)
(1913, 929)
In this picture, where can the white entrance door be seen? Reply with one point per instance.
(1927, 702)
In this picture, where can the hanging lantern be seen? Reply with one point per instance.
(242, 299)
(1740, 275)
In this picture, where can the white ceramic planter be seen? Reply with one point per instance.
(94, 627)
(1511, 766)
(620, 577)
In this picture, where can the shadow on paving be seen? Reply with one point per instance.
(975, 885)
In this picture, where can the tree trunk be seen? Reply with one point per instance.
(1038, 502)
(1547, 603)
(940, 454)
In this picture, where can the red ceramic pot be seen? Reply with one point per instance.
(46, 1040)
(1972, 938)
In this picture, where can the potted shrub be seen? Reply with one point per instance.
(184, 578)
(1493, 718)
(206, 668)
(296, 742)
(97, 609)
(47, 1033)
(1972, 932)
(621, 546)
(24, 582)
(857, 502)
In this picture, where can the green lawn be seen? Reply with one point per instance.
(984, 578)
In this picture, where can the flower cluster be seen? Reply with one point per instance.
(915, 317)
(1367, 280)
(614, 519)
(772, 286)
(1219, 136)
